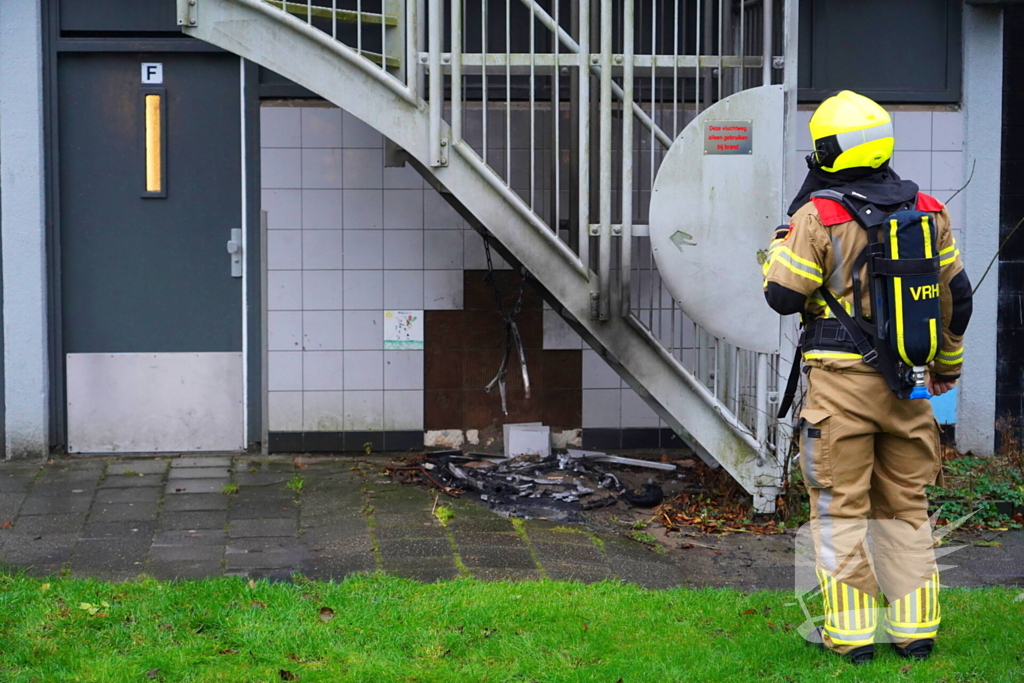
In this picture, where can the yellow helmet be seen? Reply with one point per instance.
(850, 131)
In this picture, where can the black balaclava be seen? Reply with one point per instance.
(879, 186)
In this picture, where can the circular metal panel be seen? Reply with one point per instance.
(714, 205)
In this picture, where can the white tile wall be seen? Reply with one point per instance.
(321, 127)
(323, 189)
(321, 210)
(364, 411)
(323, 330)
(403, 290)
(443, 290)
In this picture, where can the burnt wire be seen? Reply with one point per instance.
(512, 338)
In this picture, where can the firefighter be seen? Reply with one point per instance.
(866, 453)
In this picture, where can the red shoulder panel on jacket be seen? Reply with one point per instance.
(831, 212)
(926, 202)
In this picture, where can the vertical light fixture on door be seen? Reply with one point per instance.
(154, 131)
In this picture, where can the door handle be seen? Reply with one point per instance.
(235, 249)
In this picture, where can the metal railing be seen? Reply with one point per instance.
(568, 110)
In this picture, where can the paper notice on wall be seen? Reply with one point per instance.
(403, 330)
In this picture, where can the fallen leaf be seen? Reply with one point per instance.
(748, 611)
(252, 583)
(152, 673)
(6, 525)
(772, 626)
(45, 587)
(905, 669)
(767, 609)
(326, 614)
(258, 604)
(287, 675)
(586, 626)
(686, 546)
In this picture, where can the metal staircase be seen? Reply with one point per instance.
(523, 132)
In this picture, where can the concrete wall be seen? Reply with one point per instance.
(23, 211)
(983, 121)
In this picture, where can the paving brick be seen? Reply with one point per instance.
(247, 528)
(559, 571)
(45, 525)
(189, 569)
(119, 481)
(323, 519)
(338, 546)
(497, 557)
(493, 524)
(567, 553)
(505, 574)
(405, 550)
(63, 490)
(54, 549)
(137, 466)
(179, 487)
(543, 535)
(111, 554)
(263, 478)
(198, 473)
(480, 538)
(118, 530)
(123, 512)
(411, 531)
(327, 567)
(424, 574)
(202, 461)
(195, 502)
(203, 519)
(255, 557)
(273, 508)
(36, 504)
(182, 537)
(186, 553)
(148, 495)
(340, 531)
(10, 503)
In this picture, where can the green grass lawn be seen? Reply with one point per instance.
(386, 629)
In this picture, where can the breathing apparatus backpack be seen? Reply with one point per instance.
(903, 332)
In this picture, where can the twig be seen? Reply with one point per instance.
(996, 255)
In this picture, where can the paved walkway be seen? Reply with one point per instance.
(175, 518)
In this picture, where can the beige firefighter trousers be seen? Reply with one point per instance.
(867, 455)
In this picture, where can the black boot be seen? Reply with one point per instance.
(859, 655)
(917, 649)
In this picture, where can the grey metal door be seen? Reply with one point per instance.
(151, 316)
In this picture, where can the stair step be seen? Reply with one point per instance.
(301, 9)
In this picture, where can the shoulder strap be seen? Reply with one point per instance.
(791, 383)
(867, 216)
